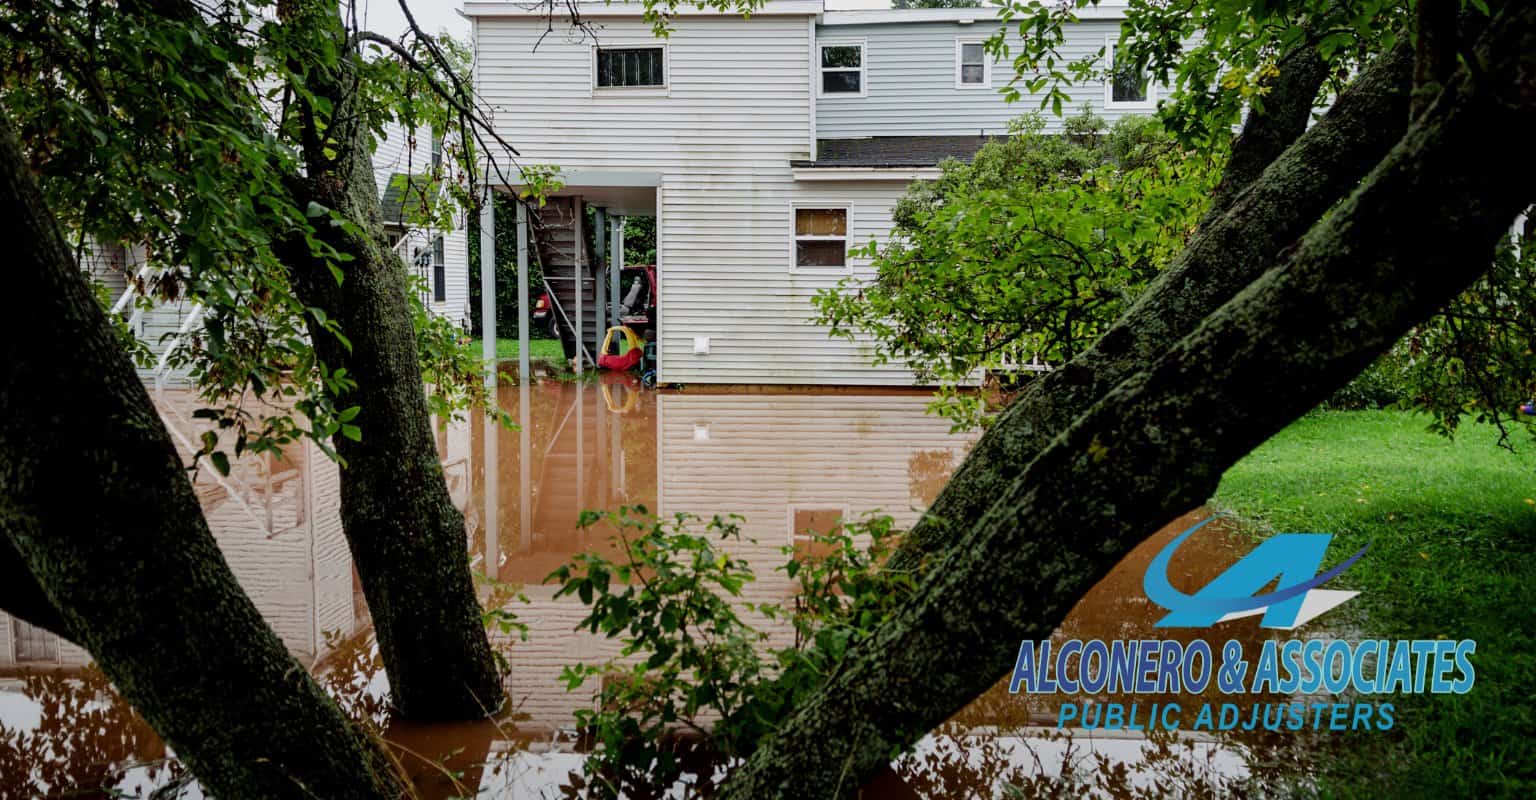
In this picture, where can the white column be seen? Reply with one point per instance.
(579, 245)
(522, 295)
(615, 263)
(488, 289)
(600, 284)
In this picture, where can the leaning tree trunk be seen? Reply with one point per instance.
(406, 536)
(1227, 253)
(103, 520)
(1419, 231)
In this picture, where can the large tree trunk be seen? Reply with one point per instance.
(97, 506)
(1229, 251)
(407, 538)
(1419, 231)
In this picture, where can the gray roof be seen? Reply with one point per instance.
(406, 199)
(893, 151)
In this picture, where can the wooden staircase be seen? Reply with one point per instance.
(555, 230)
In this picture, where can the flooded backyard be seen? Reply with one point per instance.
(788, 464)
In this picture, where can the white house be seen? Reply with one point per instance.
(764, 147)
(403, 164)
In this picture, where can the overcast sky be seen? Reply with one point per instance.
(384, 16)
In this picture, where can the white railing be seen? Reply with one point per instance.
(163, 366)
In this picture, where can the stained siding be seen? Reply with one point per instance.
(736, 111)
(911, 83)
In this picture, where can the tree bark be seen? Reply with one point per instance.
(1418, 232)
(1226, 254)
(407, 538)
(1266, 134)
(98, 509)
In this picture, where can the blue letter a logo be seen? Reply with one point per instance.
(1292, 557)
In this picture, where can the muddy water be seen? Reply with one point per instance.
(786, 463)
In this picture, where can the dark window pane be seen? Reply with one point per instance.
(970, 54)
(439, 283)
(630, 66)
(826, 253)
(973, 73)
(840, 82)
(842, 56)
(1127, 85)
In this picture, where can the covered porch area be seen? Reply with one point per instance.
(577, 240)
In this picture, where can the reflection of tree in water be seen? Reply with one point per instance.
(86, 743)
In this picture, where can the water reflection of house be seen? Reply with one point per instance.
(784, 462)
(277, 521)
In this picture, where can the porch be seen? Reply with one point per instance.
(577, 240)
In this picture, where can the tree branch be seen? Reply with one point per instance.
(1223, 257)
(1416, 234)
(1287, 108)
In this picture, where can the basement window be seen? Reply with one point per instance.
(626, 67)
(842, 68)
(821, 237)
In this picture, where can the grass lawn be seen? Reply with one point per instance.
(1452, 529)
(538, 349)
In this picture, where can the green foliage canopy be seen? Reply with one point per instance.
(1017, 260)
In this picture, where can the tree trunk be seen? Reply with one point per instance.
(97, 506)
(1418, 232)
(1228, 252)
(406, 536)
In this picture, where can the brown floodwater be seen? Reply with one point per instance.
(785, 462)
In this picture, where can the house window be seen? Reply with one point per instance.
(439, 271)
(32, 644)
(821, 237)
(1126, 86)
(842, 68)
(621, 67)
(437, 151)
(808, 522)
(972, 67)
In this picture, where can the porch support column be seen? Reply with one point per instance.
(578, 272)
(488, 287)
(600, 307)
(615, 263)
(522, 295)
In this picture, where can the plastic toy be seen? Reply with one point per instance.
(626, 356)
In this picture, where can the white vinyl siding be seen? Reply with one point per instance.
(722, 138)
(912, 75)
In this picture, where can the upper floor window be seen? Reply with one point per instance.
(972, 67)
(619, 67)
(842, 67)
(821, 237)
(1126, 85)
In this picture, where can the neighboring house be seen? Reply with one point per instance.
(403, 167)
(765, 147)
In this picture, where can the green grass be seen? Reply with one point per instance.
(1452, 529)
(538, 349)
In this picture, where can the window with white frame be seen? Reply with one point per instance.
(439, 270)
(629, 67)
(1126, 85)
(973, 69)
(842, 65)
(821, 237)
